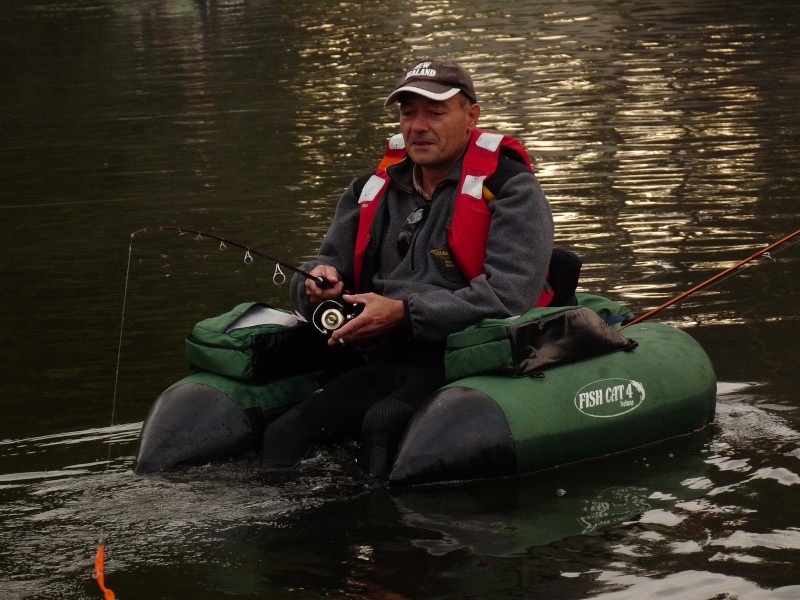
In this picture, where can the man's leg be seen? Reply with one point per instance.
(328, 415)
(417, 371)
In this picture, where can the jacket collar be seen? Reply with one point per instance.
(402, 174)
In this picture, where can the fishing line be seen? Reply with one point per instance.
(99, 560)
(766, 252)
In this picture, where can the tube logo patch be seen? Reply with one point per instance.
(609, 397)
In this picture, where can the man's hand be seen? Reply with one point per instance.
(380, 316)
(315, 293)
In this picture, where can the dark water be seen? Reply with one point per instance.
(667, 137)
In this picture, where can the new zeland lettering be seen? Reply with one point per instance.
(609, 397)
(421, 70)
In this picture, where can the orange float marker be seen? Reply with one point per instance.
(99, 568)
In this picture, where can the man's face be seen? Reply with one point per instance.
(435, 132)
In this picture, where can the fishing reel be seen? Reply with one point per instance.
(330, 315)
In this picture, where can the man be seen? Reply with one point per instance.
(452, 228)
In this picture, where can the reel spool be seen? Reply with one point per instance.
(330, 315)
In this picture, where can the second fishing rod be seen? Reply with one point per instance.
(328, 316)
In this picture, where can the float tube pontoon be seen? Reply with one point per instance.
(509, 421)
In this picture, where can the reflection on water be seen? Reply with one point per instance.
(696, 503)
(666, 137)
(701, 584)
(54, 519)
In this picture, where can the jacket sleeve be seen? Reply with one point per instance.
(518, 252)
(337, 249)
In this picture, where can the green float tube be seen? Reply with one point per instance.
(478, 426)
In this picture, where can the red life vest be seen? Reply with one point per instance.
(468, 232)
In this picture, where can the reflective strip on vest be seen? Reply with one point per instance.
(473, 186)
(372, 189)
(490, 141)
(396, 142)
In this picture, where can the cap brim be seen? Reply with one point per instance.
(414, 89)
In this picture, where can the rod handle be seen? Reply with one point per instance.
(322, 283)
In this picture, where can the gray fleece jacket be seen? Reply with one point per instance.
(439, 300)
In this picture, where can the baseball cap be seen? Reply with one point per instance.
(436, 79)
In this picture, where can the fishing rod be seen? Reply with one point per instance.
(321, 282)
(764, 252)
(328, 316)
